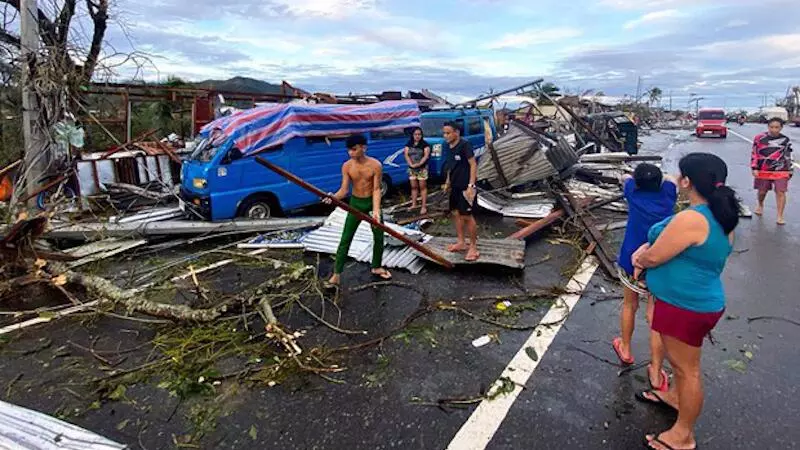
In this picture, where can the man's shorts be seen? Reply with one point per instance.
(459, 203)
(418, 174)
(767, 185)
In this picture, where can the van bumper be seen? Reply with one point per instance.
(199, 204)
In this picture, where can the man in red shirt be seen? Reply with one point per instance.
(771, 162)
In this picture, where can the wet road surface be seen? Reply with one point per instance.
(574, 398)
(576, 401)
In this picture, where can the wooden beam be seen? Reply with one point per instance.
(313, 189)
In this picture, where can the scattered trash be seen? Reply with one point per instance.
(481, 341)
(502, 306)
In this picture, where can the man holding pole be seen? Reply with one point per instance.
(365, 174)
(462, 174)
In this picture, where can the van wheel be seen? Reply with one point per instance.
(258, 207)
(386, 186)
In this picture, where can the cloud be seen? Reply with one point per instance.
(651, 17)
(463, 48)
(533, 36)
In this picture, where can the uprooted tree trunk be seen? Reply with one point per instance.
(133, 301)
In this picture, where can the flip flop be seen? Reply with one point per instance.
(657, 440)
(382, 275)
(616, 344)
(455, 248)
(664, 387)
(472, 257)
(658, 402)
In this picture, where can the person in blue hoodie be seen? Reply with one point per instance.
(651, 198)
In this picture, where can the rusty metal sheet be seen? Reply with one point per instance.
(500, 252)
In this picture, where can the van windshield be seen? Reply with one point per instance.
(204, 152)
(711, 115)
(432, 126)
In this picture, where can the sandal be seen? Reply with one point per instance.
(456, 248)
(382, 274)
(472, 256)
(664, 386)
(657, 440)
(656, 400)
(616, 344)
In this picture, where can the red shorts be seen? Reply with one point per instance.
(686, 326)
(763, 185)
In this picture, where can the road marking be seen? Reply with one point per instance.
(796, 165)
(740, 136)
(478, 430)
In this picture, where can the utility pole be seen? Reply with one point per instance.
(35, 157)
(638, 89)
(670, 101)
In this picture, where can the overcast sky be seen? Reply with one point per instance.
(732, 52)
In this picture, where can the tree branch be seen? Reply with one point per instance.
(9, 38)
(63, 22)
(99, 14)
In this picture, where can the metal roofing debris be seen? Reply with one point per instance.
(289, 239)
(523, 155)
(509, 206)
(501, 252)
(581, 189)
(152, 215)
(177, 227)
(24, 428)
(326, 240)
(102, 249)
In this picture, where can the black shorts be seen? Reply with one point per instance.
(459, 203)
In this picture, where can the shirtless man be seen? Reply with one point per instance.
(365, 174)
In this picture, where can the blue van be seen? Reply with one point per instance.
(221, 180)
(476, 126)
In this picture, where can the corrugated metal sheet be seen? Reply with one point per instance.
(525, 156)
(526, 208)
(501, 252)
(521, 158)
(326, 240)
(22, 428)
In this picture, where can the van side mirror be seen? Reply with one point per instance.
(234, 154)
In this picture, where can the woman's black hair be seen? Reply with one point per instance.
(707, 173)
(648, 177)
(422, 144)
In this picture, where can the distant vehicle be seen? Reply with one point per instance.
(711, 122)
(614, 126)
(221, 179)
(775, 112)
(477, 125)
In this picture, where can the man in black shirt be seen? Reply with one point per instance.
(462, 173)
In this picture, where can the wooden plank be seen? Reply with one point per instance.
(501, 252)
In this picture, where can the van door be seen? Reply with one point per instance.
(319, 161)
(475, 134)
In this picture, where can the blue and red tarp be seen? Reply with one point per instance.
(256, 129)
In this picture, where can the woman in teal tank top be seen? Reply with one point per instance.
(684, 257)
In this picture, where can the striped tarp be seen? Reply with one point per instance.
(266, 126)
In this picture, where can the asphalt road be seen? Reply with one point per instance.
(576, 401)
(387, 398)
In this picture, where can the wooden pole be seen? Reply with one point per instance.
(313, 189)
